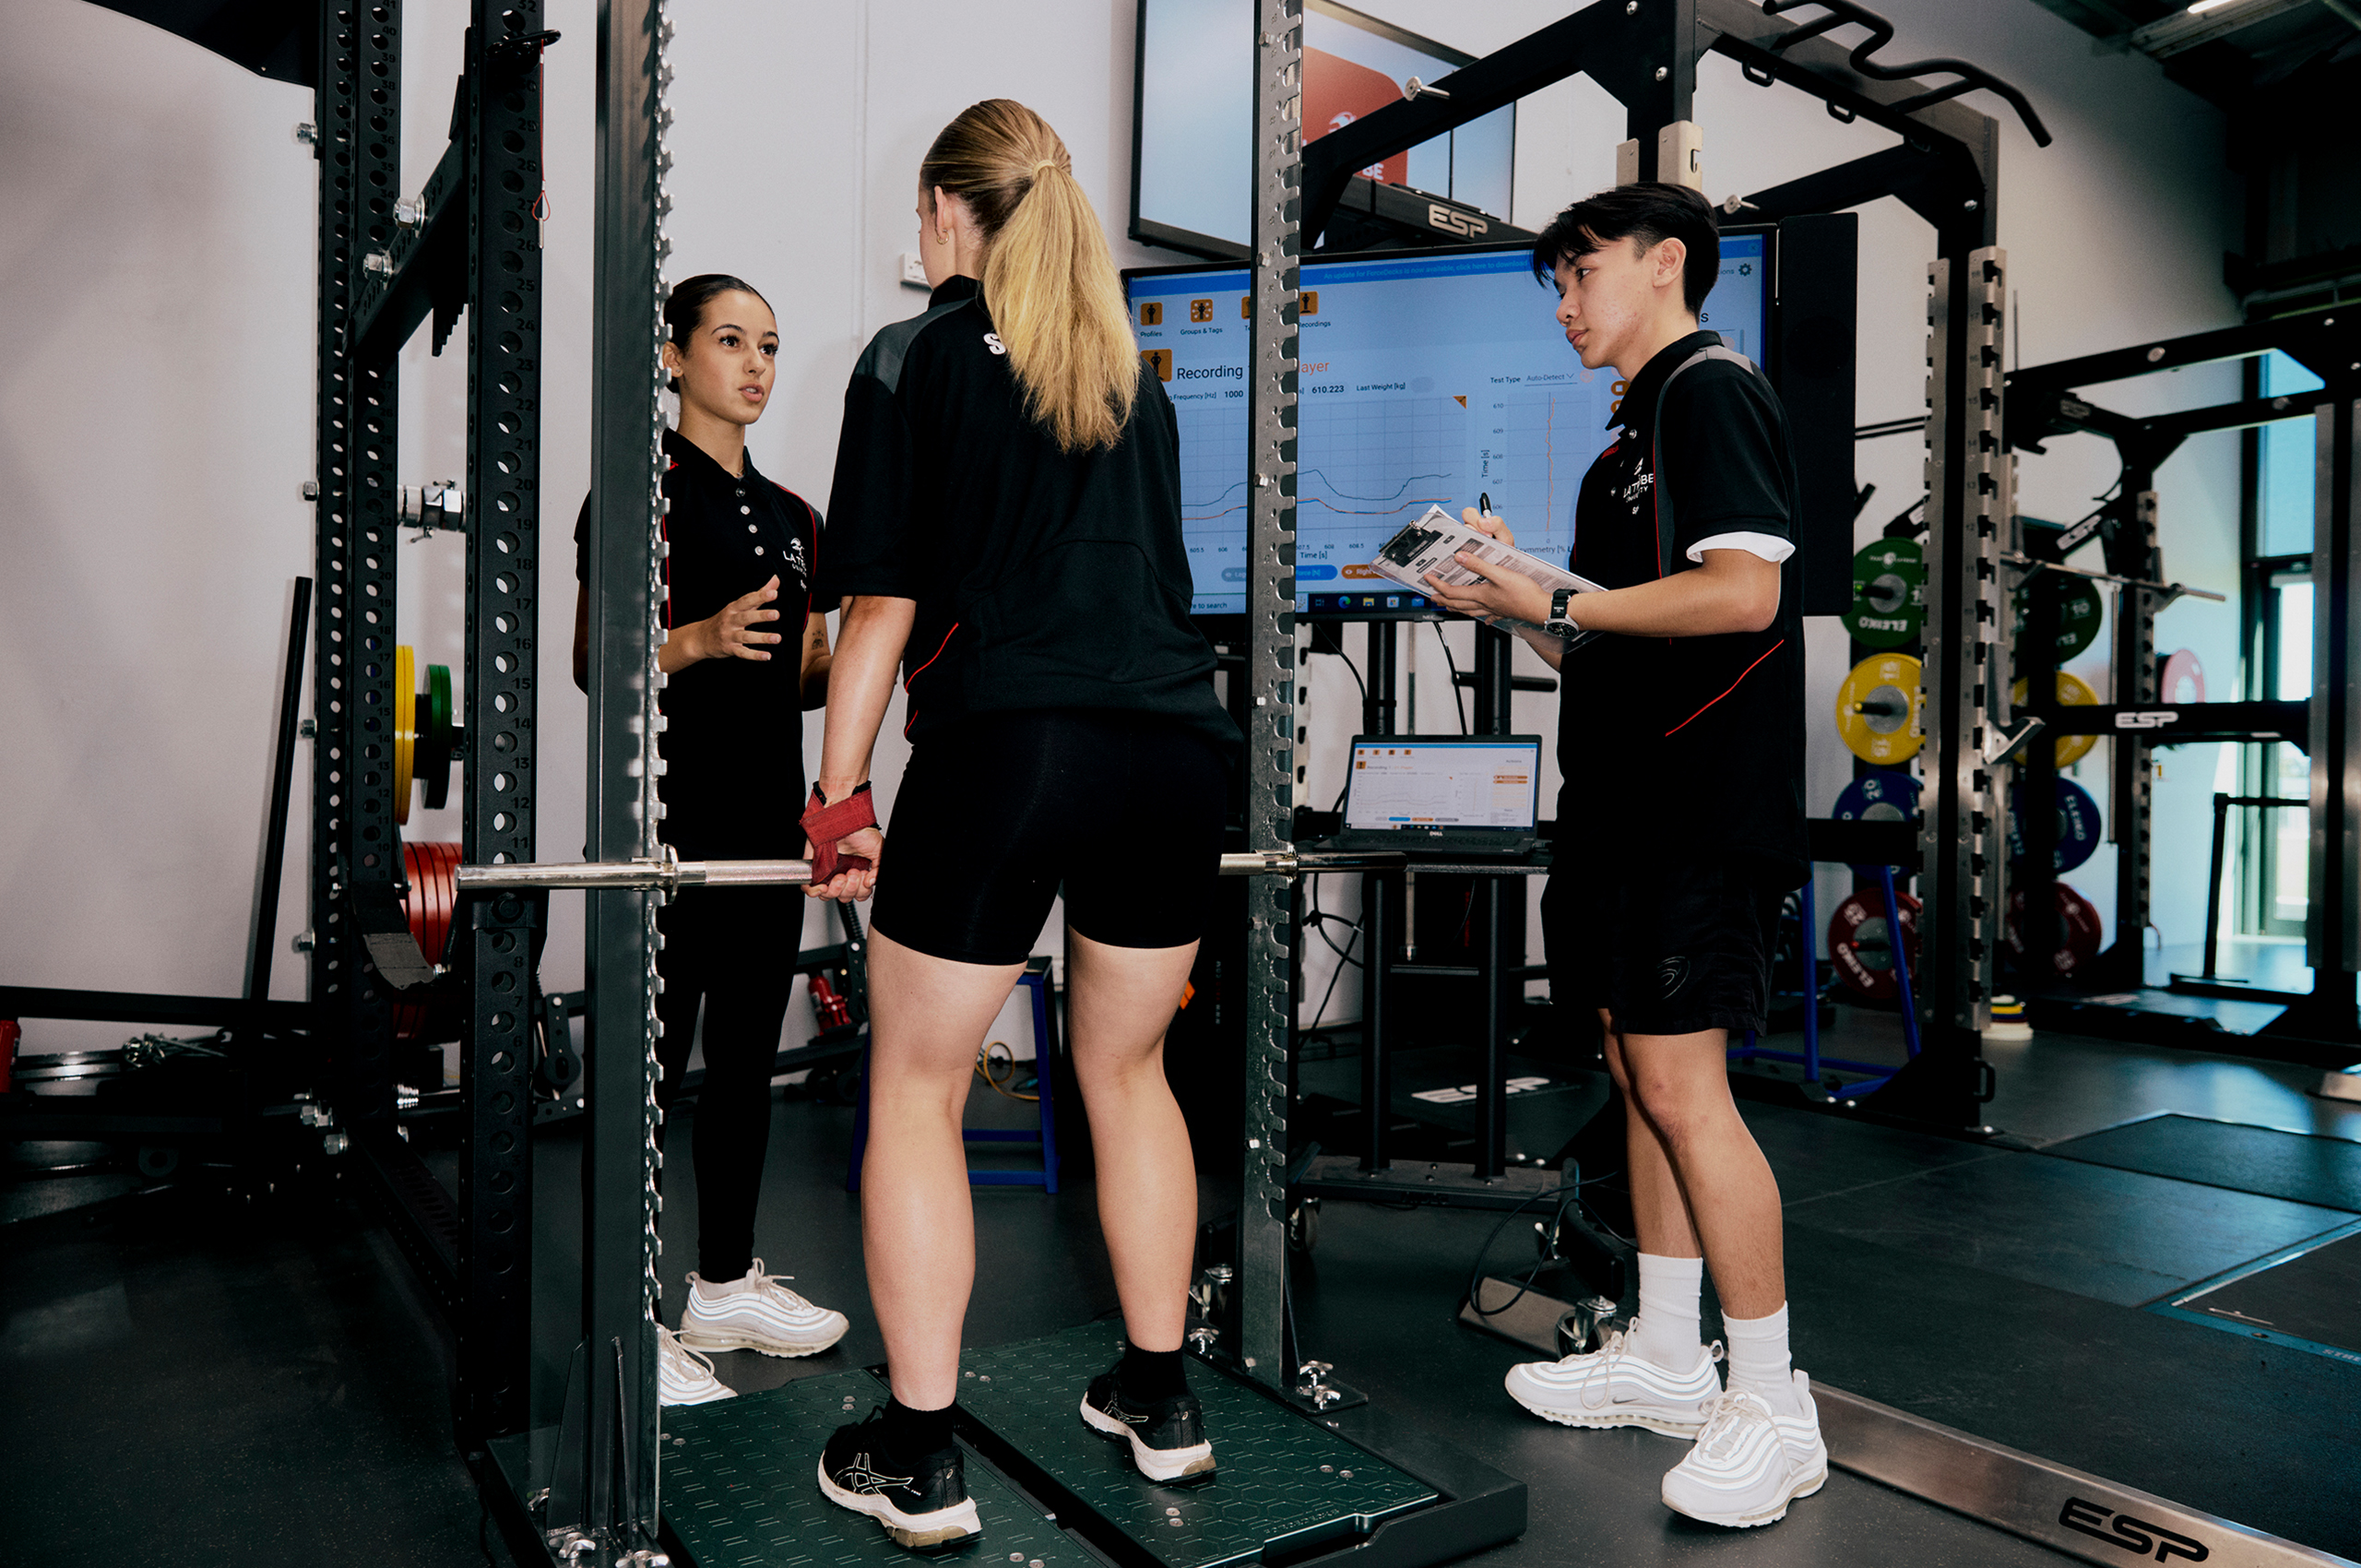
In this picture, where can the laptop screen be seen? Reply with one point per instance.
(1427, 782)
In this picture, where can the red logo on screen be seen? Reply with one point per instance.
(1336, 92)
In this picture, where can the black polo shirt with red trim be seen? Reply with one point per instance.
(732, 744)
(1688, 747)
(1043, 578)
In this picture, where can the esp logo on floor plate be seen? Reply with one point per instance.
(2135, 1536)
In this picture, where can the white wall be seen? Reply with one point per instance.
(154, 302)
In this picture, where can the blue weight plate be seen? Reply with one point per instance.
(1881, 796)
(2078, 824)
(1884, 795)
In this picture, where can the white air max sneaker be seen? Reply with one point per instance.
(1750, 1461)
(1616, 1386)
(762, 1315)
(683, 1377)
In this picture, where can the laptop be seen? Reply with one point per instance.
(1460, 794)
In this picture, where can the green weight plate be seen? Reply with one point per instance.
(1888, 594)
(1283, 1477)
(738, 1488)
(2079, 610)
(436, 736)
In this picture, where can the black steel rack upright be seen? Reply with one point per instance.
(469, 241)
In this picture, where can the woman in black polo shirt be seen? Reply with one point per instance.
(1006, 528)
(738, 570)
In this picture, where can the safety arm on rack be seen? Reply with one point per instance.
(386, 937)
(2002, 748)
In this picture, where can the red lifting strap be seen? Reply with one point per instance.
(824, 824)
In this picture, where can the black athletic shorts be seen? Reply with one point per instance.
(998, 815)
(1668, 949)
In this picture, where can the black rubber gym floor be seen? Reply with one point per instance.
(2303, 1168)
(261, 1383)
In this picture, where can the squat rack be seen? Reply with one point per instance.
(1649, 54)
(2047, 402)
(378, 280)
(1947, 171)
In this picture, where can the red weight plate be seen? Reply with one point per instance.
(1862, 946)
(2079, 923)
(429, 906)
(409, 1015)
(2181, 669)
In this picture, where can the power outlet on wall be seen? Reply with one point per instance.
(913, 269)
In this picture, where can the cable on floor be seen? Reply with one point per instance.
(1001, 1071)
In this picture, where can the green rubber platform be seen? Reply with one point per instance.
(1283, 1480)
(738, 1488)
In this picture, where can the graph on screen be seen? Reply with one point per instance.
(1425, 379)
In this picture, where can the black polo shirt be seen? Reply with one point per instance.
(1688, 747)
(1043, 578)
(733, 727)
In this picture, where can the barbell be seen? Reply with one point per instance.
(667, 872)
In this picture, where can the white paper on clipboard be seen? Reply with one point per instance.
(1432, 546)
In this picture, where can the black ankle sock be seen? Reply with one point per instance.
(913, 1434)
(1150, 1376)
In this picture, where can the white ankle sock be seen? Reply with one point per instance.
(1665, 1330)
(1758, 1358)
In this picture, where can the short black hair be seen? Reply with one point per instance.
(685, 308)
(1650, 212)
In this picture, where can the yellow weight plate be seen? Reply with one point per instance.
(2072, 691)
(405, 725)
(1877, 710)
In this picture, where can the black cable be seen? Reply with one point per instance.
(1455, 694)
(1318, 920)
(1320, 1011)
(1354, 671)
(1476, 1269)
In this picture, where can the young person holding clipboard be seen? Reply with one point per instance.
(1679, 831)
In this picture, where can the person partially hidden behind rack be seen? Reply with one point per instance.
(1679, 831)
(741, 548)
(1005, 525)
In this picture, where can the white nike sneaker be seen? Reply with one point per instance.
(763, 1316)
(1750, 1461)
(683, 1377)
(1616, 1386)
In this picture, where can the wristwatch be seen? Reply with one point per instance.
(1559, 623)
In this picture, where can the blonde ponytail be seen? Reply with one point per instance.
(1049, 279)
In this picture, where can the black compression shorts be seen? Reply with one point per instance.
(1668, 949)
(1121, 812)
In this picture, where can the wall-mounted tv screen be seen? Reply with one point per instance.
(1192, 134)
(1427, 378)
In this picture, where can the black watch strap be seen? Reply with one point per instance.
(1560, 623)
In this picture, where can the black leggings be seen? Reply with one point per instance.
(1121, 812)
(732, 949)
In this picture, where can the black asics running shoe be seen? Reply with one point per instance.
(921, 1503)
(1168, 1436)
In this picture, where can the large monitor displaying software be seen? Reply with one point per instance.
(1192, 131)
(1427, 378)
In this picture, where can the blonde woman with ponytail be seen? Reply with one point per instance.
(1005, 533)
